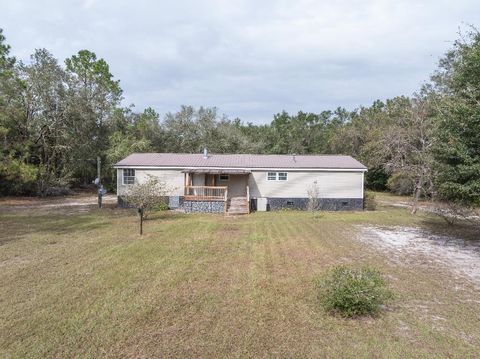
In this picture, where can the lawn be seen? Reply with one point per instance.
(87, 285)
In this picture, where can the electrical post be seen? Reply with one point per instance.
(140, 212)
(100, 189)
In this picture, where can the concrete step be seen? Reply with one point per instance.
(243, 205)
(237, 213)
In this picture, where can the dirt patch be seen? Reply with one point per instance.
(73, 204)
(438, 208)
(460, 256)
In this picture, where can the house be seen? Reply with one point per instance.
(238, 183)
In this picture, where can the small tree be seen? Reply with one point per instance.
(313, 193)
(146, 196)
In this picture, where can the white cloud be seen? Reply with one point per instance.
(249, 58)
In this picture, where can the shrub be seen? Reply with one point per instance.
(401, 184)
(369, 202)
(376, 179)
(313, 193)
(352, 292)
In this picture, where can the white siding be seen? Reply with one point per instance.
(331, 184)
(173, 178)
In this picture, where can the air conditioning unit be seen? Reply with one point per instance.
(262, 204)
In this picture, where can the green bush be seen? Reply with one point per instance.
(352, 291)
(369, 202)
(376, 179)
(162, 205)
(401, 183)
(17, 177)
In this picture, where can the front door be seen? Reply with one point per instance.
(237, 185)
(209, 180)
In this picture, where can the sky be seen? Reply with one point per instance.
(250, 59)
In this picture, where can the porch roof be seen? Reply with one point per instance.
(217, 171)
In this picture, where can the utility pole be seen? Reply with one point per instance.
(100, 189)
(141, 212)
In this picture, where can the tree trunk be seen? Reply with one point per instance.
(418, 191)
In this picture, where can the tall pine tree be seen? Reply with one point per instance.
(458, 137)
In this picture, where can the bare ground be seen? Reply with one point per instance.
(78, 203)
(409, 244)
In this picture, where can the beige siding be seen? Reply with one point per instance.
(330, 184)
(173, 178)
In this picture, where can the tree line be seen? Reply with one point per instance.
(56, 118)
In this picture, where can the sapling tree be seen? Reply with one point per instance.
(313, 193)
(146, 196)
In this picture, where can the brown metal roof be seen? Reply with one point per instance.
(245, 161)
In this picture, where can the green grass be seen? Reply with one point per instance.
(87, 285)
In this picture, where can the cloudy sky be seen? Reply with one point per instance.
(249, 58)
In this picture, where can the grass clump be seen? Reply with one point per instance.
(352, 291)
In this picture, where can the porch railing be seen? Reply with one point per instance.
(207, 193)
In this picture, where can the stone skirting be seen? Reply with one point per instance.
(273, 204)
(325, 204)
(178, 202)
(204, 206)
(173, 202)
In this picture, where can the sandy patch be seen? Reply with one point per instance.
(72, 204)
(460, 256)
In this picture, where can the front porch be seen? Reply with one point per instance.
(214, 190)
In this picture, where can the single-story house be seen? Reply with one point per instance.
(238, 183)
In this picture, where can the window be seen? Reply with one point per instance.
(224, 178)
(128, 176)
(272, 176)
(277, 176)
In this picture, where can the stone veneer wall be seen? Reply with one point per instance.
(325, 204)
(204, 206)
(273, 204)
(172, 201)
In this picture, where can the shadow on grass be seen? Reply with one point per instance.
(464, 230)
(163, 215)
